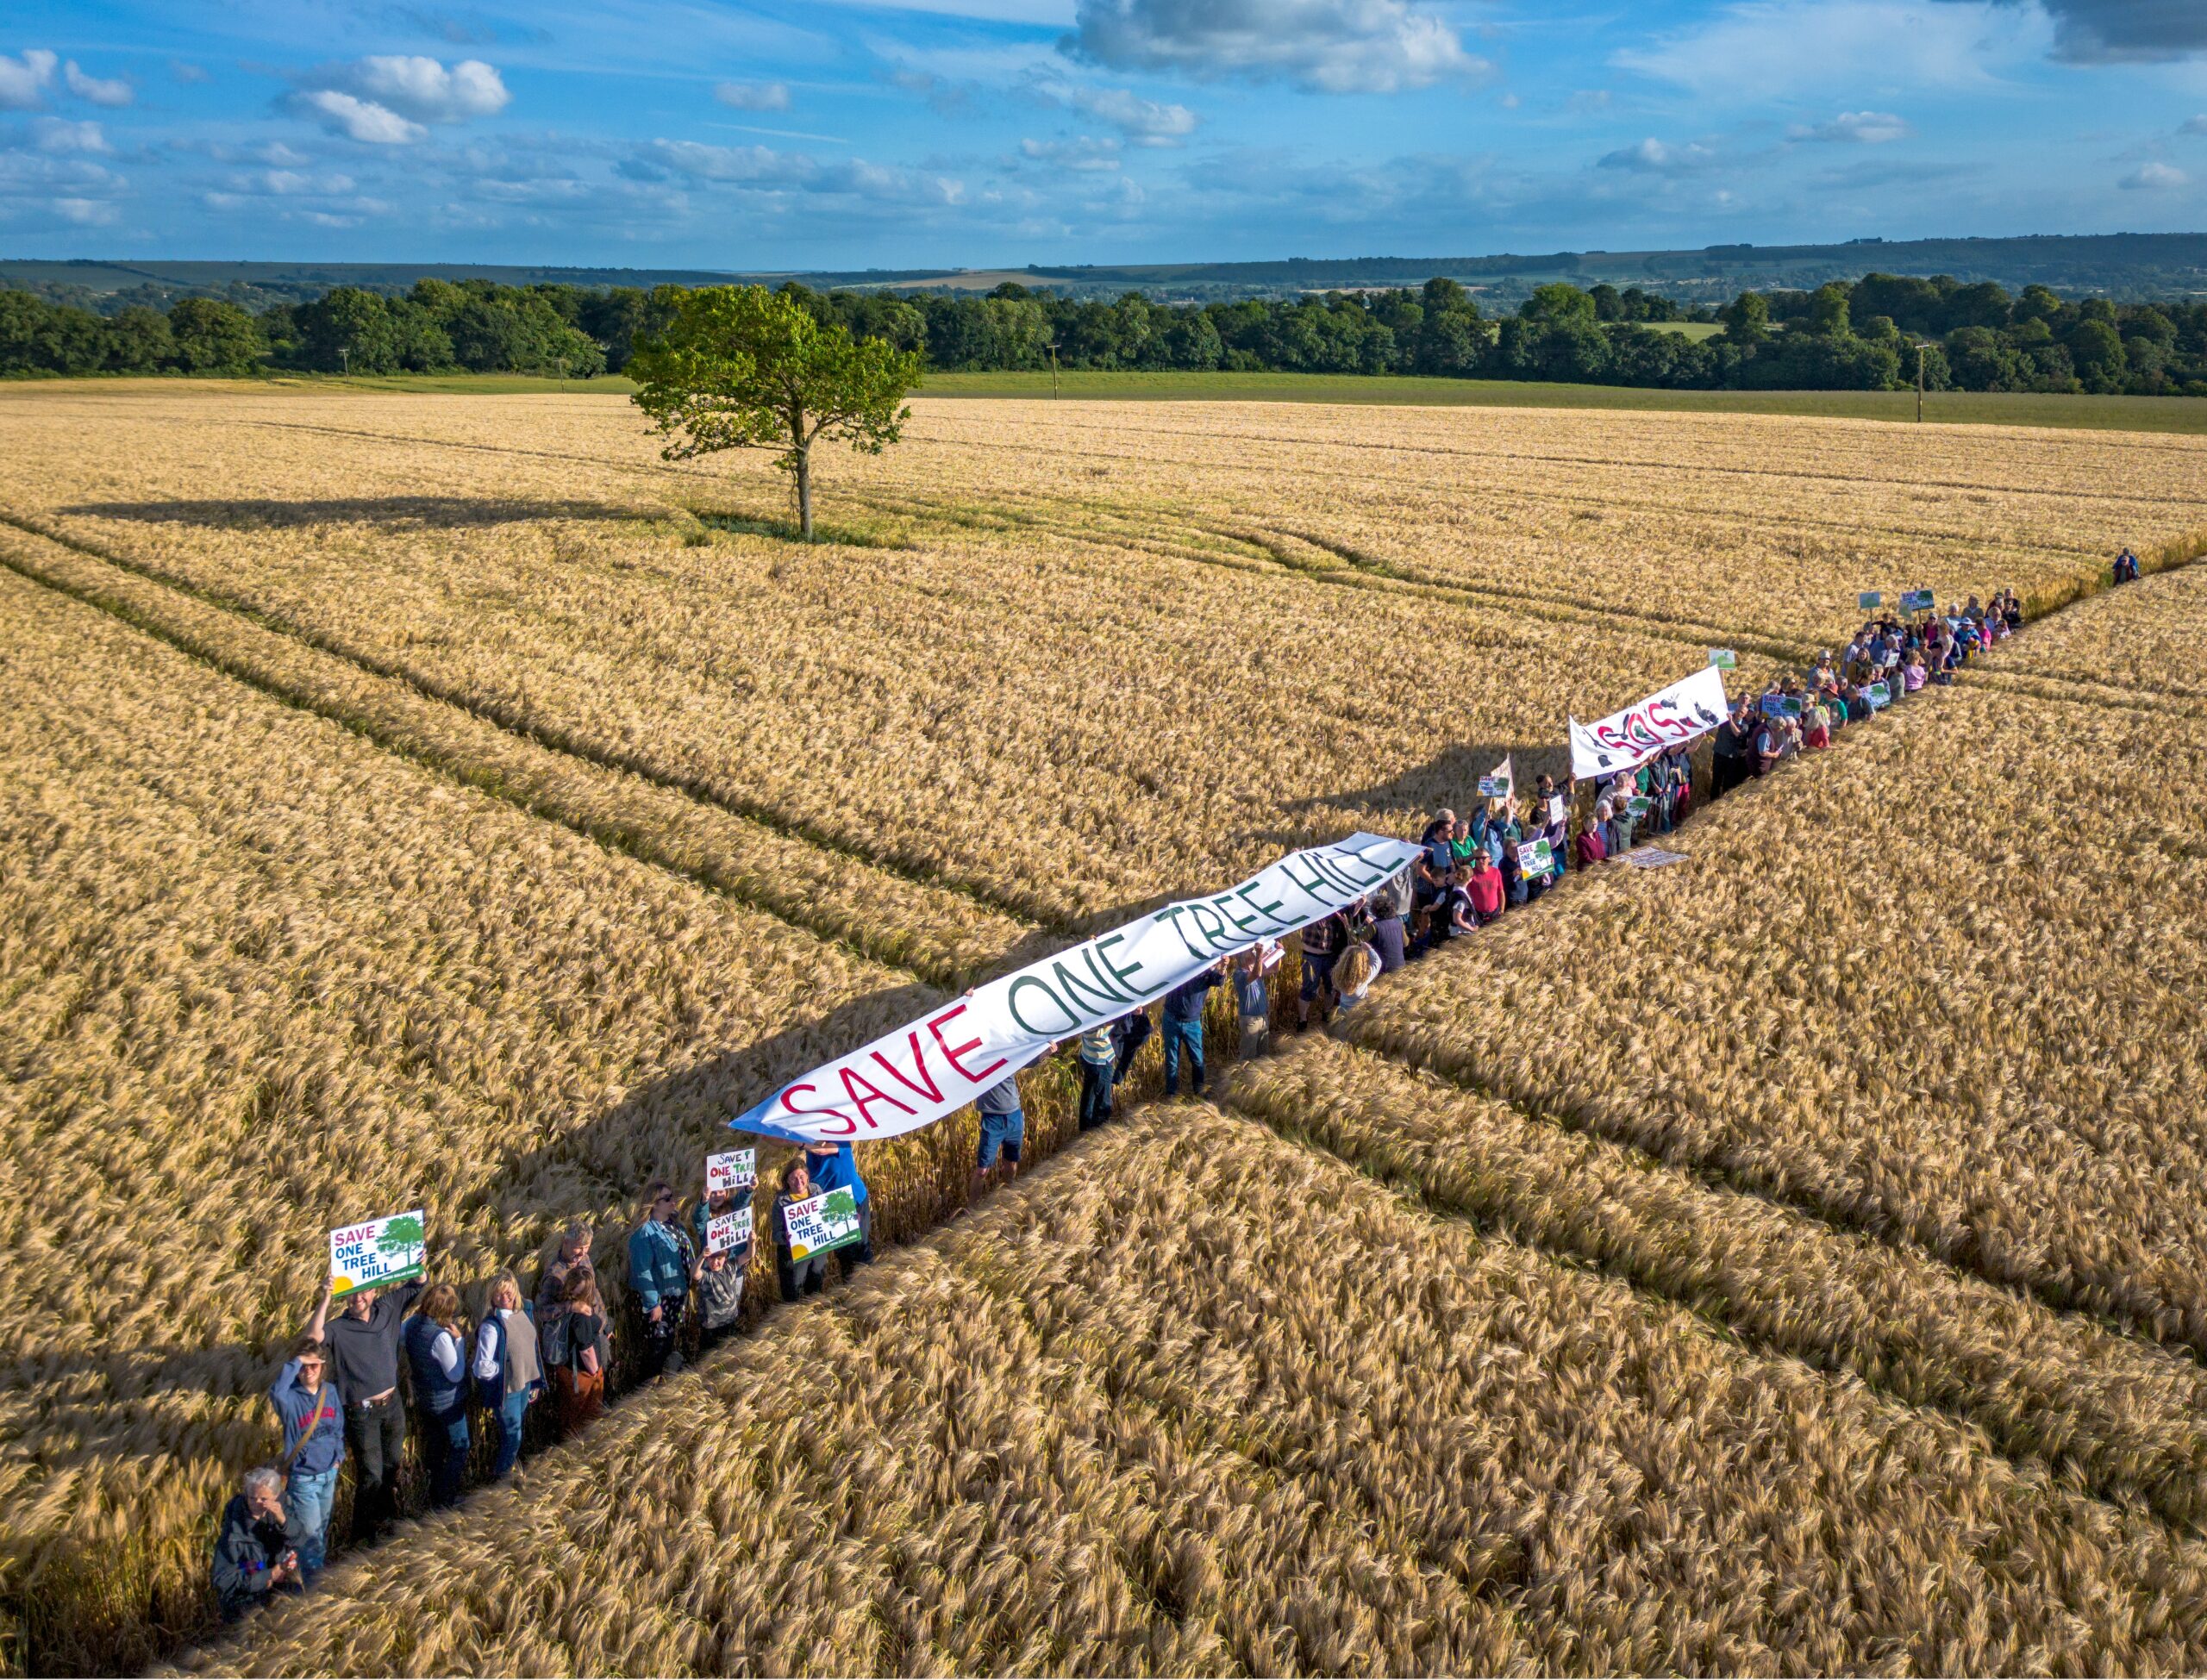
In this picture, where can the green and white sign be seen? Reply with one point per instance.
(1639, 805)
(1536, 858)
(821, 1222)
(377, 1252)
(1723, 659)
(1880, 696)
(1917, 601)
(1870, 600)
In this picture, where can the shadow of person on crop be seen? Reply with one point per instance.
(408, 512)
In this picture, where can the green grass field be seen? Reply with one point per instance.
(2122, 414)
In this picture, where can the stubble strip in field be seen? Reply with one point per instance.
(1194, 1397)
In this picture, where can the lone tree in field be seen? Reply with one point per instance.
(740, 367)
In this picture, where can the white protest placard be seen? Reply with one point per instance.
(1558, 809)
(829, 1220)
(732, 1170)
(1625, 740)
(727, 1230)
(1652, 857)
(377, 1252)
(1500, 783)
(938, 1065)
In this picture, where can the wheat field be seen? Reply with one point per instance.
(1787, 1261)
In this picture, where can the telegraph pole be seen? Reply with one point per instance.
(1921, 345)
(1053, 368)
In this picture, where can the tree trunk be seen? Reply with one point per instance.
(804, 491)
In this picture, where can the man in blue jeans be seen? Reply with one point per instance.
(1184, 1029)
(312, 1413)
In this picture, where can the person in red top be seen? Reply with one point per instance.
(1486, 888)
(1592, 847)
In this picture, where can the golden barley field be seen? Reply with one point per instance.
(1787, 1261)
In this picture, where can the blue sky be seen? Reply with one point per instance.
(828, 134)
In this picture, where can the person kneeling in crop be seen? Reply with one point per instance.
(256, 1551)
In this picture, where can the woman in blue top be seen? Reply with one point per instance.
(834, 1166)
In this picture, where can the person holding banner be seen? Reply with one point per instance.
(509, 1367)
(796, 1278)
(1184, 1029)
(312, 1410)
(835, 1166)
(1003, 1118)
(1323, 941)
(660, 1268)
(362, 1342)
(1387, 934)
(1252, 1004)
(439, 1370)
(1099, 1064)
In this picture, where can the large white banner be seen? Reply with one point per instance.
(940, 1063)
(1627, 740)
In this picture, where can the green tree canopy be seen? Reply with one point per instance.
(740, 367)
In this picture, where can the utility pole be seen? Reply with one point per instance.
(1921, 345)
(1053, 368)
(345, 359)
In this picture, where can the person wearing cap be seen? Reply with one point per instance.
(311, 1410)
(363, 1344)
(552, 1282)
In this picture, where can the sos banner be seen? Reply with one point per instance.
(940, 1063)
(1627, 740)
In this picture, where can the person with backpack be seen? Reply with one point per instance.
(311, 1410)
(662, 1265)
(577, 1345)
(256, 1551)
(719, 1278)
(509, 1367)
(363, 1343)
(439, 1370)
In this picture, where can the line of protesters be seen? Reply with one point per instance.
(341, 1390)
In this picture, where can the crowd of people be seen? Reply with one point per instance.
(344, 1388)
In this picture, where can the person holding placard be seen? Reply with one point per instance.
(720, 1269)
(796, 1278)
(439, 1370)
(362, 1342)
(835, 1166)
(311, 1410)
(509, 1367)
(660, 1264)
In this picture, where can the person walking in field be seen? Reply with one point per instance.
(835, 1166)
(439, 1370)
(1002, 1136)
(552, 1282)
(796, 1278)
(256, 1552)
(1184, 1029)
(578, 1342)
(1252, 1004)
(363, 1343)
(660, 1263)
(1322, 942)
(312, 1410)
(509, 1367)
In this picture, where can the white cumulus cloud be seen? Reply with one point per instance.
(97, 90)
(753, 96)
(390, 99)
(1862, 128)
(1144, 122)
(51, 133)
(1655, 157)
(1084, 152)
(23, 80)
(2154, 178)
(358, 119)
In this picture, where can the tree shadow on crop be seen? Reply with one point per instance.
(1450, 779)
(411, 512)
